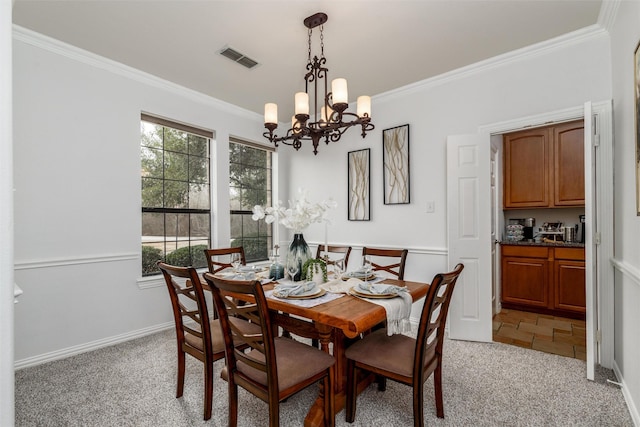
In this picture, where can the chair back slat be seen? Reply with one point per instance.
(396, 257)
(225, 293)
(432, 321)
(344, 250)
(215, 265)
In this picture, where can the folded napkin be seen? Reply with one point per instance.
(379, 288)
(289, 289)
(398, 309)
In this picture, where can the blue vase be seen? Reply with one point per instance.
(299, 250)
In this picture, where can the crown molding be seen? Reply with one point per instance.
(608, 13)
(542, 48)
(83, 56)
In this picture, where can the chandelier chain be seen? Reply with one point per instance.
(322, 41)
(309, 51)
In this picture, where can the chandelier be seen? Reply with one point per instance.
(333, 119)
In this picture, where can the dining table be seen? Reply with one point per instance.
(335, 324)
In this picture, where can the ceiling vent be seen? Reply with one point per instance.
(238, 57)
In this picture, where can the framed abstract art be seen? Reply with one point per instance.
(359, 185)
(395, 151)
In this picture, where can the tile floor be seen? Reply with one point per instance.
(557, 335)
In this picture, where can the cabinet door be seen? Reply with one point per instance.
(525, 281)
(569, 286)
(568, 168)
(526, 169)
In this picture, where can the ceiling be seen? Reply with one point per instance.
(376, 45)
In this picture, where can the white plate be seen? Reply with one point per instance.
(313, 293)
(357, 275)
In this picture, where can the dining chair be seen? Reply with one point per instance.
(405, 359)
(397, 259)
(196, 333)
(346, 250)
(216, 265)
(274, 368)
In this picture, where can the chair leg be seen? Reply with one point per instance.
(233, 403)
(382, 382)
(350, 409)
(208, 389)
(418, 404)
(180, 386)
(274, 413)
(329, 399)
(437, 382)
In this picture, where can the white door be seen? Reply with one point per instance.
(469, 236)
(590, 234)
(497, 222)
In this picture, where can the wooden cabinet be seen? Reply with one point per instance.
(544, 167)
(544, 279)
(525, 273)
(569, 277)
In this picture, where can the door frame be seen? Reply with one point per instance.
(603, 281)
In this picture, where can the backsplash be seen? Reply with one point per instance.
(567, 216)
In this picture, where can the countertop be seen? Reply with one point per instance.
(533, 243)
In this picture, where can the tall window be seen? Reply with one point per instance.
(176, 203)
(250, 174)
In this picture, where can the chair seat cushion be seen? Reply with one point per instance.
(296, 362)
(393, 353)
(216, 334)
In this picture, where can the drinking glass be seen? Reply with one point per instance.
(338, 268)
(235, 262)
(292, 268)
(367, 268)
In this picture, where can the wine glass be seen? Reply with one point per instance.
(292, 268)
(235, 261)
(367, 268)
(338, 268)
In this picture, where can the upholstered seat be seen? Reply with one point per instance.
(274, 368)
(404, 359)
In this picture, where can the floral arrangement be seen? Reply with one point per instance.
(298, 216)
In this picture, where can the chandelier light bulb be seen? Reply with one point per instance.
(302, 103)
(364, 106)
(270, 113)
(339, 91)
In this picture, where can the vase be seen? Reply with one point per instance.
(299, 250)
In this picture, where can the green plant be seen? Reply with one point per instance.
(188, 256)
(150, 256)
(311, 262)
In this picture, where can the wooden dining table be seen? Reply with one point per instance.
(336, 322)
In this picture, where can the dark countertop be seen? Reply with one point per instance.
(532, 243)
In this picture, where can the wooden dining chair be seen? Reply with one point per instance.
(274, 368)
(397, 259)
(216, 265)
(345, 250)
(196, 333)
(404, 359)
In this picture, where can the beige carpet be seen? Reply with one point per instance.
(133, 384)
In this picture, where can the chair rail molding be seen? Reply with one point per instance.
(65, 262)
(628, 270)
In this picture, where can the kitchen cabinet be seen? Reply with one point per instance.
(544, 279)
(544, 167)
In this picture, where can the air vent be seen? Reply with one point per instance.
(238, 57)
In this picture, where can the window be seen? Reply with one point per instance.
(176, 202)
(250, 172)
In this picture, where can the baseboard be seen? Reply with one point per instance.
(633, 409)
(90, 346)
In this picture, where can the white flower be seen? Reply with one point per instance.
(298, 216)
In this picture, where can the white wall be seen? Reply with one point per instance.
(6, 220)
(77, 198)
(625, 36)
(547, 80)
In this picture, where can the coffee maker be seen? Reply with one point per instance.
(529, 223)
(580, 230)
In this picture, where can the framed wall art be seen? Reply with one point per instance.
(359, 185)
(395, 152)
(636, 89)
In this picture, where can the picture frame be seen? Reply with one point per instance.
(636, 88)
(359, 187)
(395, 162)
